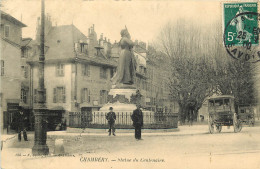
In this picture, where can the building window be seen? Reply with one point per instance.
(103, 73)
(1, 99)
(85, 70)
(85, 95)
(7, 31)
(24, 71)
(59, 95)
(103, 96)
(111, 73)
(89, 98)
(24, 95)
(35, 95)
(83, 48)
(2, 67)
(60, 70)
(24, 53)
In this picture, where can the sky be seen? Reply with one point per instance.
(144, 19)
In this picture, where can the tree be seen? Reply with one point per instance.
(200, 67)
(232, 77)
(191, 69)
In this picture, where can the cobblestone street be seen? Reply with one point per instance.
(195, 144)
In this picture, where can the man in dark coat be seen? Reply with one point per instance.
(137, 118)
(21, 119)
(111, 117)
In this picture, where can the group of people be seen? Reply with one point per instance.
(137, 118)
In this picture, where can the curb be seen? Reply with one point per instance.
(7, 140)
(93, 130)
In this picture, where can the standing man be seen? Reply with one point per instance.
(137, 118)
(111, 117)
(22, 125)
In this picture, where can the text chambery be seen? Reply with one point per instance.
(93, 159)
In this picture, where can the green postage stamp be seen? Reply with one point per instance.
(241, 29)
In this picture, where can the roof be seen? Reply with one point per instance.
(25, 41)
(12, 19)
(61, 41)
(221, 96)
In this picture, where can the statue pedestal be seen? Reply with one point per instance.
(120, 100)
(123, 101)
(121, 95)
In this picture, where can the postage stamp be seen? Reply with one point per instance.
(241, 30)
(240, 22)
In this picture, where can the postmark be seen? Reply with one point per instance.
(241, 31)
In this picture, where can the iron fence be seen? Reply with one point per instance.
(123, 120)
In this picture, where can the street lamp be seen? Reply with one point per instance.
(40, 110)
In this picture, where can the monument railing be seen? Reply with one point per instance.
(123, 120)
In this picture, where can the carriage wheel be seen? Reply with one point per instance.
(237, 124)
(218, 128)
(211, 125)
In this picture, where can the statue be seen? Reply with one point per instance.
(125, 73)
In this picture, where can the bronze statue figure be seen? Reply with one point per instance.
(126, 68)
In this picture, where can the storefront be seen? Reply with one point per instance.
(56, 119)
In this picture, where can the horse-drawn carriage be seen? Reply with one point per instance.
(221, 111)
(246, 114)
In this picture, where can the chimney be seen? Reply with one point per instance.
(108, 40)
(88, 31)
(93, 27)
(101, 36)
(105, 38)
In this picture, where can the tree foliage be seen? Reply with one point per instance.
(201, 67)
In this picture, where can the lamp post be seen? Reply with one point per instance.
(40, 110)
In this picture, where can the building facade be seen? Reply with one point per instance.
(10, 91)
(77, 74)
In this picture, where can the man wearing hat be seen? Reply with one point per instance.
(137, 118)
(21, 125)
(111, 117)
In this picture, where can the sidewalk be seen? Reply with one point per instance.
(182, 130)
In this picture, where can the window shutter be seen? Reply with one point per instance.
(88, 70)
(100, 72)
(57, 69)
(82, 69)
(82, 95)
(86, 95)
(26, 71)
(54, 95)
(35, 96)
(2, 67)
(64, 95)
(62, 67)
(77, 47)
(100, 96)
(89, 96)
(45, 95)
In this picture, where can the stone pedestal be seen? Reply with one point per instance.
(121, 100)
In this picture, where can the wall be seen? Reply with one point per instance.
(10, 82)
(52, 81)
(94, 83)
(15, 32)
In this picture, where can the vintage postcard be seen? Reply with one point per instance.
(130, 84)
